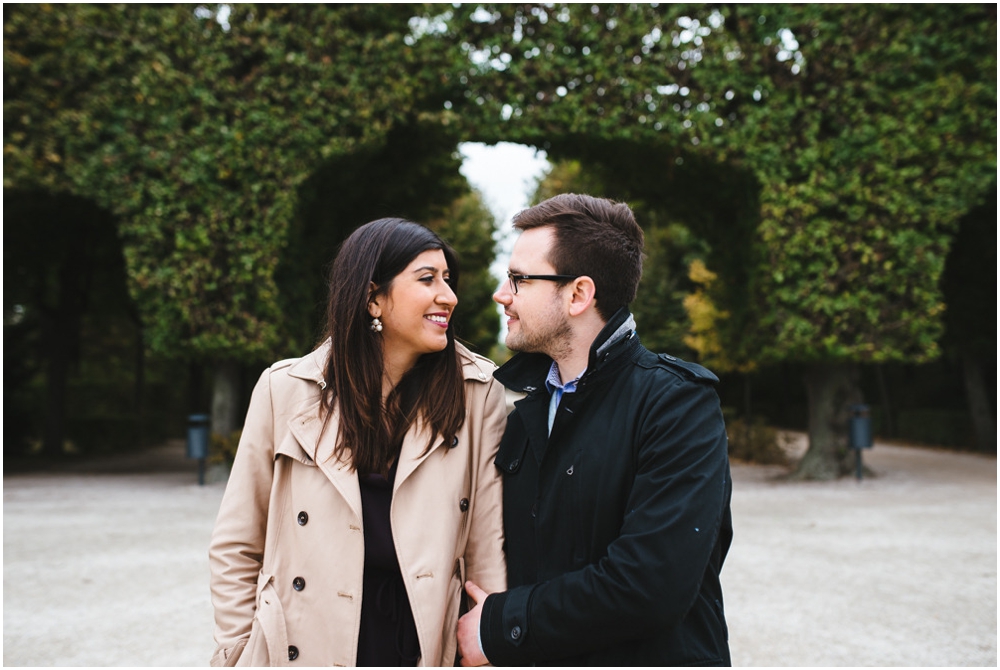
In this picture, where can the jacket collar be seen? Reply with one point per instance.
(619, 327)
(525, 372)
(310, 367)
(319, 443)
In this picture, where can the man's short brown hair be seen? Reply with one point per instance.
(595, 237)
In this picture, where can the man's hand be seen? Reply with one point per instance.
(468, 629)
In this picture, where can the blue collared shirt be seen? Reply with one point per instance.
(555, 387)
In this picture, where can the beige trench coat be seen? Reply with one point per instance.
(287, 552)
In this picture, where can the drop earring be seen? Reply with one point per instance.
(376, 325)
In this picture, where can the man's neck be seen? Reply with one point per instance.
(572, 360)
(570, 369)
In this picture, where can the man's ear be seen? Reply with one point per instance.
(374, 301)
(582, 293)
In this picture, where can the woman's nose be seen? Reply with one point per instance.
(447, 296)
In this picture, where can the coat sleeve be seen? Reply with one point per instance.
(653, 570)
(236, 551)
(484, 556)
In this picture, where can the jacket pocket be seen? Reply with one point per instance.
(253, 652)
(268, 644)
(227, 658)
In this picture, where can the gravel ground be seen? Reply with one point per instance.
(105, 564)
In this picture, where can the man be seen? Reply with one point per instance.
(616, 475)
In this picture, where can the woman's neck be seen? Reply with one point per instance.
(393, 371)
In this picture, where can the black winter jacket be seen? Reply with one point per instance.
(618, 523)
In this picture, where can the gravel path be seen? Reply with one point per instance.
(105, 564)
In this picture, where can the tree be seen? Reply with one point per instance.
(196, 128)
(823, 154)
(867, 130)
(879, 130)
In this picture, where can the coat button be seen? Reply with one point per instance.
(513, 465)
(293, 652)
(463, 504)
(298, 583)
(303, 518)
(515, 633)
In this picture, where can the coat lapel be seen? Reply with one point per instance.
(412, 453)
(417, 445)
(307, 427)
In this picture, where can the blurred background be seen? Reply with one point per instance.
(817, 185)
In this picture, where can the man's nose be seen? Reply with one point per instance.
(503, 295)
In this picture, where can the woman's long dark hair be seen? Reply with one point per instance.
(372, 433)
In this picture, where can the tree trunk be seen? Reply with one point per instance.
(747, 408)
(979, 405)
(56, 374)
(889, 423)
(61, 339)
(225, 398)
(832, 388)
(139, 392)
(197, 400)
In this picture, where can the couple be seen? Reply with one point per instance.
(379, 476)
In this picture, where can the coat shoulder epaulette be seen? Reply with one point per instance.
(483, 363)
(475, 366)
(687, 370)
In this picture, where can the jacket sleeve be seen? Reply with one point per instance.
(484, 556)
(653, 570)
(236, 551)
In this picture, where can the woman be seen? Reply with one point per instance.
(364, 493)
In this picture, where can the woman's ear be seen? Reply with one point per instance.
(374, 300)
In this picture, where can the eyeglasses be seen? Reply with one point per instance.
(517, 279)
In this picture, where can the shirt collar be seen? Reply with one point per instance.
(554, 381)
